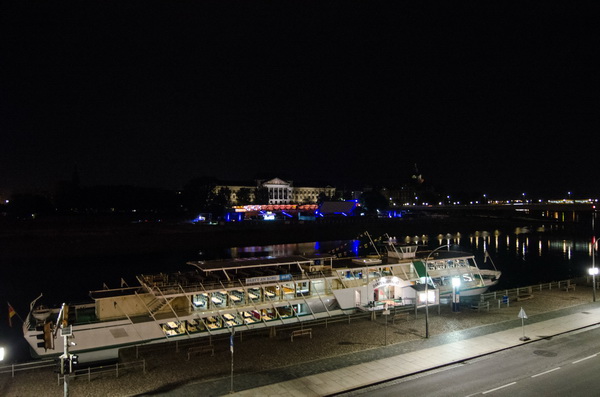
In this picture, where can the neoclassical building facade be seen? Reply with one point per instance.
(279, 192)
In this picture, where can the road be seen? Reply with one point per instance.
(567, 365)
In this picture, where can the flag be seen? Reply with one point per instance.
(11, 314)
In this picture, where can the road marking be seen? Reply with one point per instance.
(545, 372)
(585, 358)
(498, 388)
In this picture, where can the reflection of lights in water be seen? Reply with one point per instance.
(355, 246)
(540, 248)
(448, 238)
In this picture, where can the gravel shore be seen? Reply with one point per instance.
(167, 369)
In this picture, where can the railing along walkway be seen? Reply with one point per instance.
(13, 368)
(105, 369)
(521, 291)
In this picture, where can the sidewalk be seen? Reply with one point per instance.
(342, 374)
(356, 376)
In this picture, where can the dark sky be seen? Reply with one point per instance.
(494, 98)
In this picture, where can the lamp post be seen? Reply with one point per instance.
(427, 289)
(593, 270)
(455, 294)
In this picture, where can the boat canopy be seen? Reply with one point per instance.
(420, 266)
(255, 263)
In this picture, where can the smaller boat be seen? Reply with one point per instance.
(446, 267)
(41, 313)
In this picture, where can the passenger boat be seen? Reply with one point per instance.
(218, 297)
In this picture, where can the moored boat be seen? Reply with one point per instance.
(216, 297)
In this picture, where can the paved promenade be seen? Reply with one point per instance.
(372, 372)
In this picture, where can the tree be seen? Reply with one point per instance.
(244, 196)
(323, 197)
(374, 201)
(198, 193)
(261, 195)
(222, 197)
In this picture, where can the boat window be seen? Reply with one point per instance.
(200, 301)
(288, 290)
(213, 322)
(237, 297)
(285, 312)
(218, 299)
(272, 292)
(233, 319)
(254, 294)
(268, 314)
(173, 328)
(250, 317)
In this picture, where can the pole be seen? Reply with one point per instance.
(593, 270)
(427, 288)
(62, 366)
(594, 287)
(231, 348)
(386, 318)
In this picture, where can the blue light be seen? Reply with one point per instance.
(355, 246)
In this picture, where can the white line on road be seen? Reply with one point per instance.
(545, 372)
(585, 358)
(498, 388)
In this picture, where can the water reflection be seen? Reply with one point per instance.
(525, 256)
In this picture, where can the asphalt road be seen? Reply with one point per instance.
(567, 365)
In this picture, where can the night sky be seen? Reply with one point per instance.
(489, 97)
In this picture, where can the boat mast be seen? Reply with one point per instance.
(373, 244)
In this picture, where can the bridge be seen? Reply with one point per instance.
(548, 209)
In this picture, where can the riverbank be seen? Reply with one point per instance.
(258, 356)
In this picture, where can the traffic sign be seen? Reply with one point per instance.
(522, 314)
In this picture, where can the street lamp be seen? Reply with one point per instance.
(426, 287)
(593, 270)
(455, 294)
